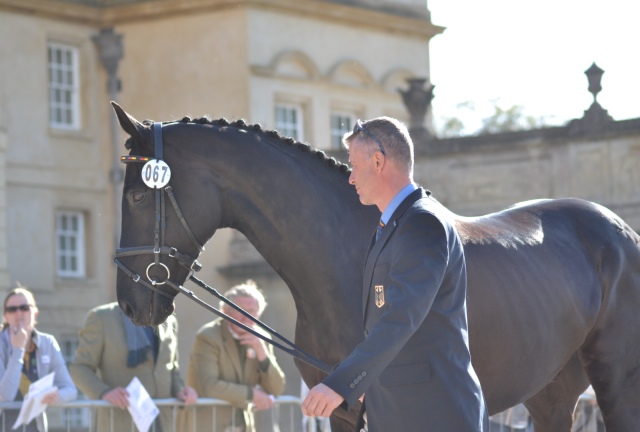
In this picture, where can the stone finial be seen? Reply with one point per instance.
(596, 118)
(418, 101)
(594, 75)
(111, 52)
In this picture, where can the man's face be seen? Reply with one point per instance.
(250, 305)
(363, 174)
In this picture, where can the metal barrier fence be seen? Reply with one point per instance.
(586, 418)
(293, 414)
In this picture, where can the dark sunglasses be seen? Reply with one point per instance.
(14, 309)
(358, 127)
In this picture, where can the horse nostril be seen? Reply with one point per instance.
(124, 305)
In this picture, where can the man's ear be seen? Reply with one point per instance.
(378, 161)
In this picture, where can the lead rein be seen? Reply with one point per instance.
(296, 352)
(268, 329)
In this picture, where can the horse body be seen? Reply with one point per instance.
(552, 285)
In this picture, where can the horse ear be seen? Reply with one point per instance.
(130, 125)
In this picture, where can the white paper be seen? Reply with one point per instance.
(141, 407)
(32, 405)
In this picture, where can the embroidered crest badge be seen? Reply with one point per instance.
(379, 295)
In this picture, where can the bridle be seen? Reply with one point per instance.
(159, 248)
(189, 263)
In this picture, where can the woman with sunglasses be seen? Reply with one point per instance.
(27, 355)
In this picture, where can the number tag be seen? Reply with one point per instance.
(156, 174)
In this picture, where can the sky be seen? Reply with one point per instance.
(534, 54)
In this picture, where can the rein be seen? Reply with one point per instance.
(186, 261)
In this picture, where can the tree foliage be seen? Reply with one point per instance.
(502, 120)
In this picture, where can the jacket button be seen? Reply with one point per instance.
(359, 377)
(363, 373)
(355, 381)
(352, 385)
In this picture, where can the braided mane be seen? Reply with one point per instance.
(273, 134)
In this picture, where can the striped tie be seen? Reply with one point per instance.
(379, 229)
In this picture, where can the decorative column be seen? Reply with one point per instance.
(111, 52)
(418, 101)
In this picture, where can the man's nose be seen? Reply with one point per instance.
(352, 180)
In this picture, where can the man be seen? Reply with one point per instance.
(230, 363)
(112, 344)
(414, 368)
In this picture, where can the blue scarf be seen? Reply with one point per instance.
(137, 342)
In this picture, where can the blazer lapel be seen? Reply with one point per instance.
(250, 368)
(374, 252)
(232, 350)
(370, 263)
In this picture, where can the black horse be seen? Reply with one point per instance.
(553, 285)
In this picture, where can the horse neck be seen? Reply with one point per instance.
(300, 214)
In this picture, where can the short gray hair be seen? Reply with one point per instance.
(247, 289)
(393, 136)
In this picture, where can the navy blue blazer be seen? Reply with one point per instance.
(414, 364)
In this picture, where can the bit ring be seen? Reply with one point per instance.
(154, 282)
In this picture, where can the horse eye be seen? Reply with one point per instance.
(138, 196)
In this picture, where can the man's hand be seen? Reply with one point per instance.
(188, 395)
(256, 343)
(118, 396)
(261, 400)
(51, 398)
(321, 401)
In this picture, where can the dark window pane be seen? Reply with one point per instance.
(63, 243)
(74, 267)
(63, 262)
(72, 243)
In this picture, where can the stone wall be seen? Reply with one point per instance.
(478, 175)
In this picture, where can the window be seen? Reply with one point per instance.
(70, 244)
(341, 123)
(289, 120)
(64, 110)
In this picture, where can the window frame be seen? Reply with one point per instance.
(299, 115)
(75, 88)
(81, 271)
(352, 119)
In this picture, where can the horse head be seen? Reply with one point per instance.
(144, 305)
